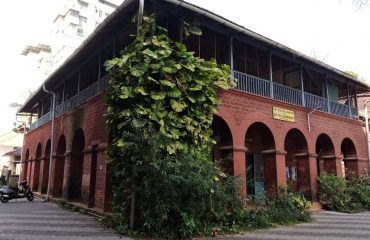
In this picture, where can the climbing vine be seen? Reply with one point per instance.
(160, 104)
(160, 82)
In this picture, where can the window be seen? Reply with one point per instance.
(74, 13)
(82, 19)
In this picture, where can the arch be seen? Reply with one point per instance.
(325, 151)
(261, 164)
(35, 175)
(297, 162)
(349, 157)
(77, 160)
(38, 151)
(222, 150)
(58, 168)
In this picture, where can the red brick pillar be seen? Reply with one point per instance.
(29, 171)
(103, 187)
(41, 174)
(52, 180)
(56, 187)
(280, 168)
(67, 174)
(86, 175)
(312, 159)
(239, 166)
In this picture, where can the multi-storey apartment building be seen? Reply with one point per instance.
(75, 21)
(289, 118)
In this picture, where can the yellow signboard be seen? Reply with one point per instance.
(283, 114)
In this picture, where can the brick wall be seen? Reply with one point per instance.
(239, 110)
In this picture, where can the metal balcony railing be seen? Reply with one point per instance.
(73, 102)
(313, 102)
(245, 83)
(251, 84)
(262, 87)
(287, 94)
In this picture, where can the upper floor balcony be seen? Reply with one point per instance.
(261, 67)
(245, 82)
(262, 87)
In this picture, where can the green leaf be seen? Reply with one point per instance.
(169, 69)
(150, 53)
(141, 90)
(126, 92)
(158, 95)
(167, 83)
(178, 106)
(137, 72)
(196, 88)
(175, 93)
(120, 143)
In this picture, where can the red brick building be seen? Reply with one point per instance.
(289, 118)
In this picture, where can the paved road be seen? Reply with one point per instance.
(23, 220)
(326, 226)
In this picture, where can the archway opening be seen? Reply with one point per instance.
(77, 160)
(58, 171)
(325, 154)
(223, 149)
(349, 158)
(297, 163)
(260, 161)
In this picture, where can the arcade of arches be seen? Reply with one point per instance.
(253, 155)
(263, 156)
(74, 170)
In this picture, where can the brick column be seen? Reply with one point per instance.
(56, 187)
(86, 175)
(239, 166)
(67, 174)
(52, 180)
(312, 159)
(43, 175)
(280, 168)
(29, 170)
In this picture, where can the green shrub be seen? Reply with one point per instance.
(345, 194)
(332, 191)
(289, 208)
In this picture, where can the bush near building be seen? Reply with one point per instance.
(345, 194)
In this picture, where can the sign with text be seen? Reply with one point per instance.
(283, 114)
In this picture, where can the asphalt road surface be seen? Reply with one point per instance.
(325, 226)
(37, 220)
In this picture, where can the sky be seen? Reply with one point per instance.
(333, 31)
